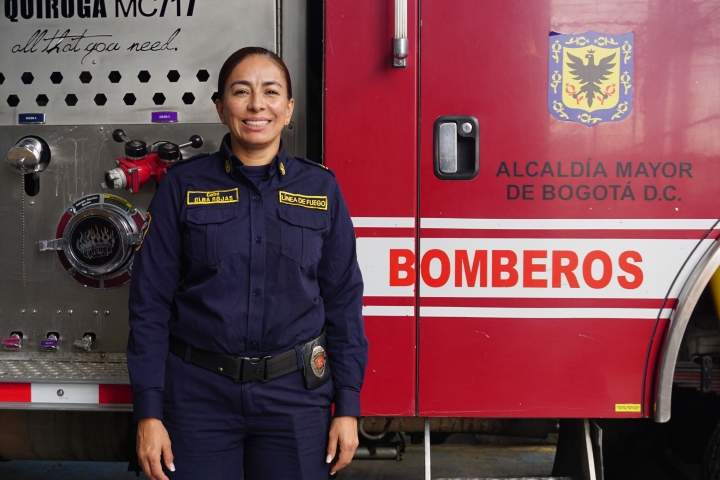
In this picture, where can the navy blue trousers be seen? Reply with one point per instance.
(222, 430)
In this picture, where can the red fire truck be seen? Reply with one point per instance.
(532, 185)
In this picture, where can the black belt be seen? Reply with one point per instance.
(240, 369)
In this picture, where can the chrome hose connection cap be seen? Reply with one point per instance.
(29, 155)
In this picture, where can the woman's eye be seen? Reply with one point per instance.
(272, 92)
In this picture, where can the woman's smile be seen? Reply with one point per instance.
(256, 124)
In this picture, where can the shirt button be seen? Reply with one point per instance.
(256, 293)
(258, 239)
(256, 197)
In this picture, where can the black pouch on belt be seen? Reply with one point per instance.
(316, 368)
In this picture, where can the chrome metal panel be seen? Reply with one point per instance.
(43, 59)
(81, 94)
(36, 294)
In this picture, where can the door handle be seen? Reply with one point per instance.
(457, 147)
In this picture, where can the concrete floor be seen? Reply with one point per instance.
(450, 461)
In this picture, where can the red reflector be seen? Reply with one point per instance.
(15, 392)
(115, 394)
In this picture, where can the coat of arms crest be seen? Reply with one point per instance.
(590, 79)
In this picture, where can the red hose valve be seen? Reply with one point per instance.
(139, 166)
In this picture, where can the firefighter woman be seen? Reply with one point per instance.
(245, 295)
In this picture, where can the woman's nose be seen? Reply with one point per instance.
(256, 102)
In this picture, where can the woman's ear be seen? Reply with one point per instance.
(289, 112)
(220, 110)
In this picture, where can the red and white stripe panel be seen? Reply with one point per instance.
(65, 393)
(376, 236)
(631, 264)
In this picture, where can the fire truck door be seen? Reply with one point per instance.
(537, 300)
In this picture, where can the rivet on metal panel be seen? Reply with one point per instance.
(59, 312)
(107, 312)
(22, 311)
(34, 312)
(95, 312)
(70, 312)
(71, 272)
(466, 127)
(60, 392)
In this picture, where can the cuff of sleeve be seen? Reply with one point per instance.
(148, 404)
(347, 403)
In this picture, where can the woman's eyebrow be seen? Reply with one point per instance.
(246, 82)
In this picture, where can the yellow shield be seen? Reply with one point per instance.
(591, 78)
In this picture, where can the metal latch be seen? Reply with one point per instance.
(50, 343)
(457, 147)
(707, 370)
(46, 245)
(13, 342)
(134, 238)
(85, 342)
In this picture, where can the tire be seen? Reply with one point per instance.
(711, 460)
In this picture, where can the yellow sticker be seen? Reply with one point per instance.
(628, 407)
(118, 199)
(305, 201)
(213, 197)
(228, 167)
(145, 228)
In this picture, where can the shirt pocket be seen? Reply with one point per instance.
(302, 233)
(214, 234)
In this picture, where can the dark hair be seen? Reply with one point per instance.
(236, 58)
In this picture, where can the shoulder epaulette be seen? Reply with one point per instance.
(186, 160)
(316, 164)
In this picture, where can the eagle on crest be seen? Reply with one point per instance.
(590, 76)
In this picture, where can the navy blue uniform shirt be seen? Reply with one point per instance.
(246, 268)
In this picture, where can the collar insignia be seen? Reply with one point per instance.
(282, 169)
(228, 166)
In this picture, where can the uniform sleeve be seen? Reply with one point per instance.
(155, 277)
(341, 288)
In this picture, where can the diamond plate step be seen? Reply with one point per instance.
(63, 370)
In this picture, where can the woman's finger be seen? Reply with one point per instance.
(332, 444)
(145, 465)
(156, 468)
(168, 456)
(348, 451)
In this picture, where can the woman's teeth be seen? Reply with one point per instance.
(258, 123)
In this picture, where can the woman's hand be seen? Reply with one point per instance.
(152, 442)
(343, 437)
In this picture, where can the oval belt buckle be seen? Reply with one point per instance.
(318, 360)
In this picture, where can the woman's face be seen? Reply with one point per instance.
(255, 106)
